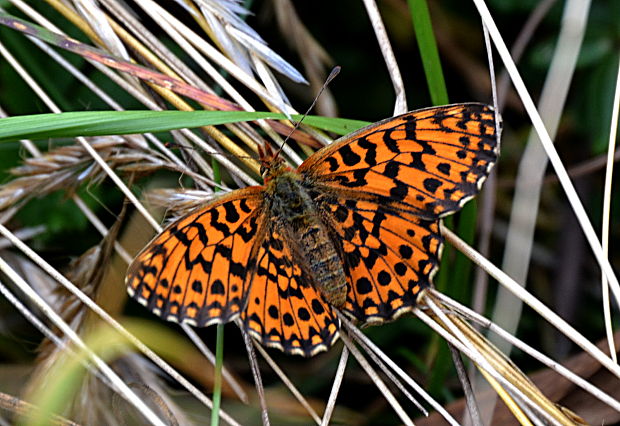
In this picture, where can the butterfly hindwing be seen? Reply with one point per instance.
(388, 256)
(428, 162)
(198, 269)
(284, 310)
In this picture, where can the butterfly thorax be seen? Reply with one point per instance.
(296, 217)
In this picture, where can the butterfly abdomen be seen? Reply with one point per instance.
(324, 263)
(298, 219)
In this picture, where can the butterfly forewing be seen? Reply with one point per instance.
(198, 269)
(428, 162)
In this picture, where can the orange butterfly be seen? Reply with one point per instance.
(355, 228)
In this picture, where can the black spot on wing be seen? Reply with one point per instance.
(363, 285)
(217, 287)
(391, 169)
(399, 191)
(349, 157)
(444, 168)
(232, 215)
(370, 156)
(197, 286)
(431, 184)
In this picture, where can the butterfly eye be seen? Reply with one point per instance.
(264, 169)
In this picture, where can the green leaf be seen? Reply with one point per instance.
(100, 123)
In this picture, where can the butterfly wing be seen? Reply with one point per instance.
(428, 162)
(382, 190)
(199, 268)
(389, 256)
(284, 310)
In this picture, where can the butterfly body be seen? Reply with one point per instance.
(355, 228)
(297, 219)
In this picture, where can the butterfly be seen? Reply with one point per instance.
(355, 228)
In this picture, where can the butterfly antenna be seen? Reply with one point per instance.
(335, 71)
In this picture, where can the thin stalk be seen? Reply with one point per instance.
(219, 340)
(552, 153)
(333, 395)
(287, 382)
(117, 382)
(22, 408)
(398, 409)
(512, 382)
(217, 379)
(359, 336)
(542, 358)
(470, 398)
(534, 303)
(258, 381)
(606, 209)
(400, 104)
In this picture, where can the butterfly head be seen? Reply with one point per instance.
(271, 163)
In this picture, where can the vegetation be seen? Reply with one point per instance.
(58, 197)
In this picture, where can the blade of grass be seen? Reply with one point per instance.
(219, 340)
(400, 104)
(453, 279)
(100, 123)
(542, 358)
(606, 209)
(519, 291)
(428, 51)
(127, 393)
(217, 379)
(553, 155)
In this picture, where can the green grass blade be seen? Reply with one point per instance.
(217, 379)
(219, 340)
(100, 123)
(428, 51)
(453, 276)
